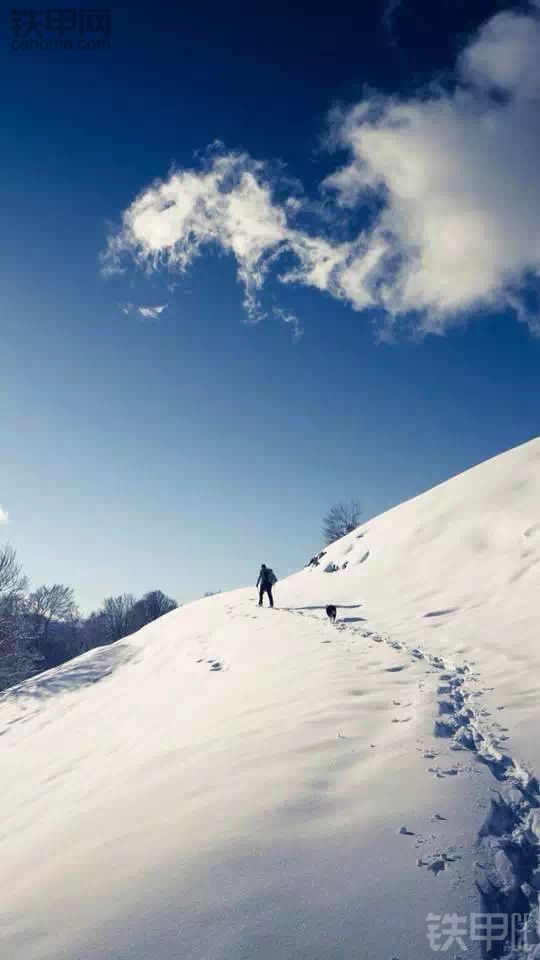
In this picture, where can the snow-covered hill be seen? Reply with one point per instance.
(233, 783)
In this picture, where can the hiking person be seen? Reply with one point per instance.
(266, 581)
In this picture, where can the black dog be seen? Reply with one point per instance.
(331, 612)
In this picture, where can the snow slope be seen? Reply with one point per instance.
(457, 570)
(233, 783)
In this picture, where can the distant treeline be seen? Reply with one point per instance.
(44, 628)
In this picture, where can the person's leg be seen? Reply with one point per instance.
(270, 597)
(261, 594)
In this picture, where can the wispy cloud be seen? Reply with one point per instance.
(151, 313)
(4, 516)
(455, 174)
(390, 10)
(292, 321)
(147, 312)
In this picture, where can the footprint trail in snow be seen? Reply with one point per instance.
(509, 840)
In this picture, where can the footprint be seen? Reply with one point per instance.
(393, 669)
(215, 666)
(437, 863)
(446, 707)
(445, 728)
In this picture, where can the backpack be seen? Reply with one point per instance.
(270, 577)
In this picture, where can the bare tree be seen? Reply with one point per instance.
(119, 619)
(151, 607)
(341, 519)
(48, 604)
(12, 579)
(19, 657)
(93, 631)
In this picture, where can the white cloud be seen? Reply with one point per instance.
(4, 516)
(505, 55)
(151, 313)
(461, 181)
(456, 176)
(227, 204)
(147, 313)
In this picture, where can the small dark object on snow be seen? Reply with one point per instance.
(314, 562)
(331, 612)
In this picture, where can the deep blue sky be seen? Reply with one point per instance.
(181, 454)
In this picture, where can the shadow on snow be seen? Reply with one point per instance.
(340, 606)
(82, 672)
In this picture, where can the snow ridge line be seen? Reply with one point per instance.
(509, 840)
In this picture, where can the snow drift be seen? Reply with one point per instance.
(232, 783)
